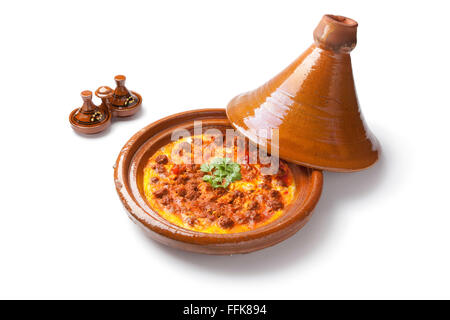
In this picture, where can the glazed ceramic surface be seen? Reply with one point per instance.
(128, 177)
(89, 118)
(124, 102)
(120, 102)
(313, 105)
(105, 93)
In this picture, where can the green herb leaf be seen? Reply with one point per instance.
(205, 167)
(223, 172)
(207, 178)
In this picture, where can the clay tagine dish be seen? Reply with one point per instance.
(313, 105)
(89, 118)
(222, 205)
(307, 117)
(105, 93)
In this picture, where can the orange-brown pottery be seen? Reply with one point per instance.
(128, 177)
(89, 118)
(105, 93)
(124, 103)
(313, 104)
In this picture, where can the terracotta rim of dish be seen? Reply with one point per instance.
(128, 111)
(128, 181)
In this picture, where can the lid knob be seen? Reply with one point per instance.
(336, 33)
(88, 105)
(124, 102)
(120, 80)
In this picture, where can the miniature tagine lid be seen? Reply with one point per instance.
(124, 102)
(312, 106)
(89, 118)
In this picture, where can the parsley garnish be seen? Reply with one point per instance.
(223, 172)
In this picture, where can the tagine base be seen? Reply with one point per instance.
(128, 178)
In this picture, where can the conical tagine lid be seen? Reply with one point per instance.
(312, 106)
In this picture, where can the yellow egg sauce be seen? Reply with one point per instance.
(178, 192)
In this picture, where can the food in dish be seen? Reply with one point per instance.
(220, 195)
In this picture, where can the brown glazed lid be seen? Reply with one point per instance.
(124, 102)
(314, 106)
(89, 118)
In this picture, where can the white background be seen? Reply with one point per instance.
(381, 233)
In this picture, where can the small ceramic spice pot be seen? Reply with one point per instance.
(124, 103)
(89, 118)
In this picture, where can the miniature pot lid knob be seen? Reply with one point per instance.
(104, 92)
(88, 105)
